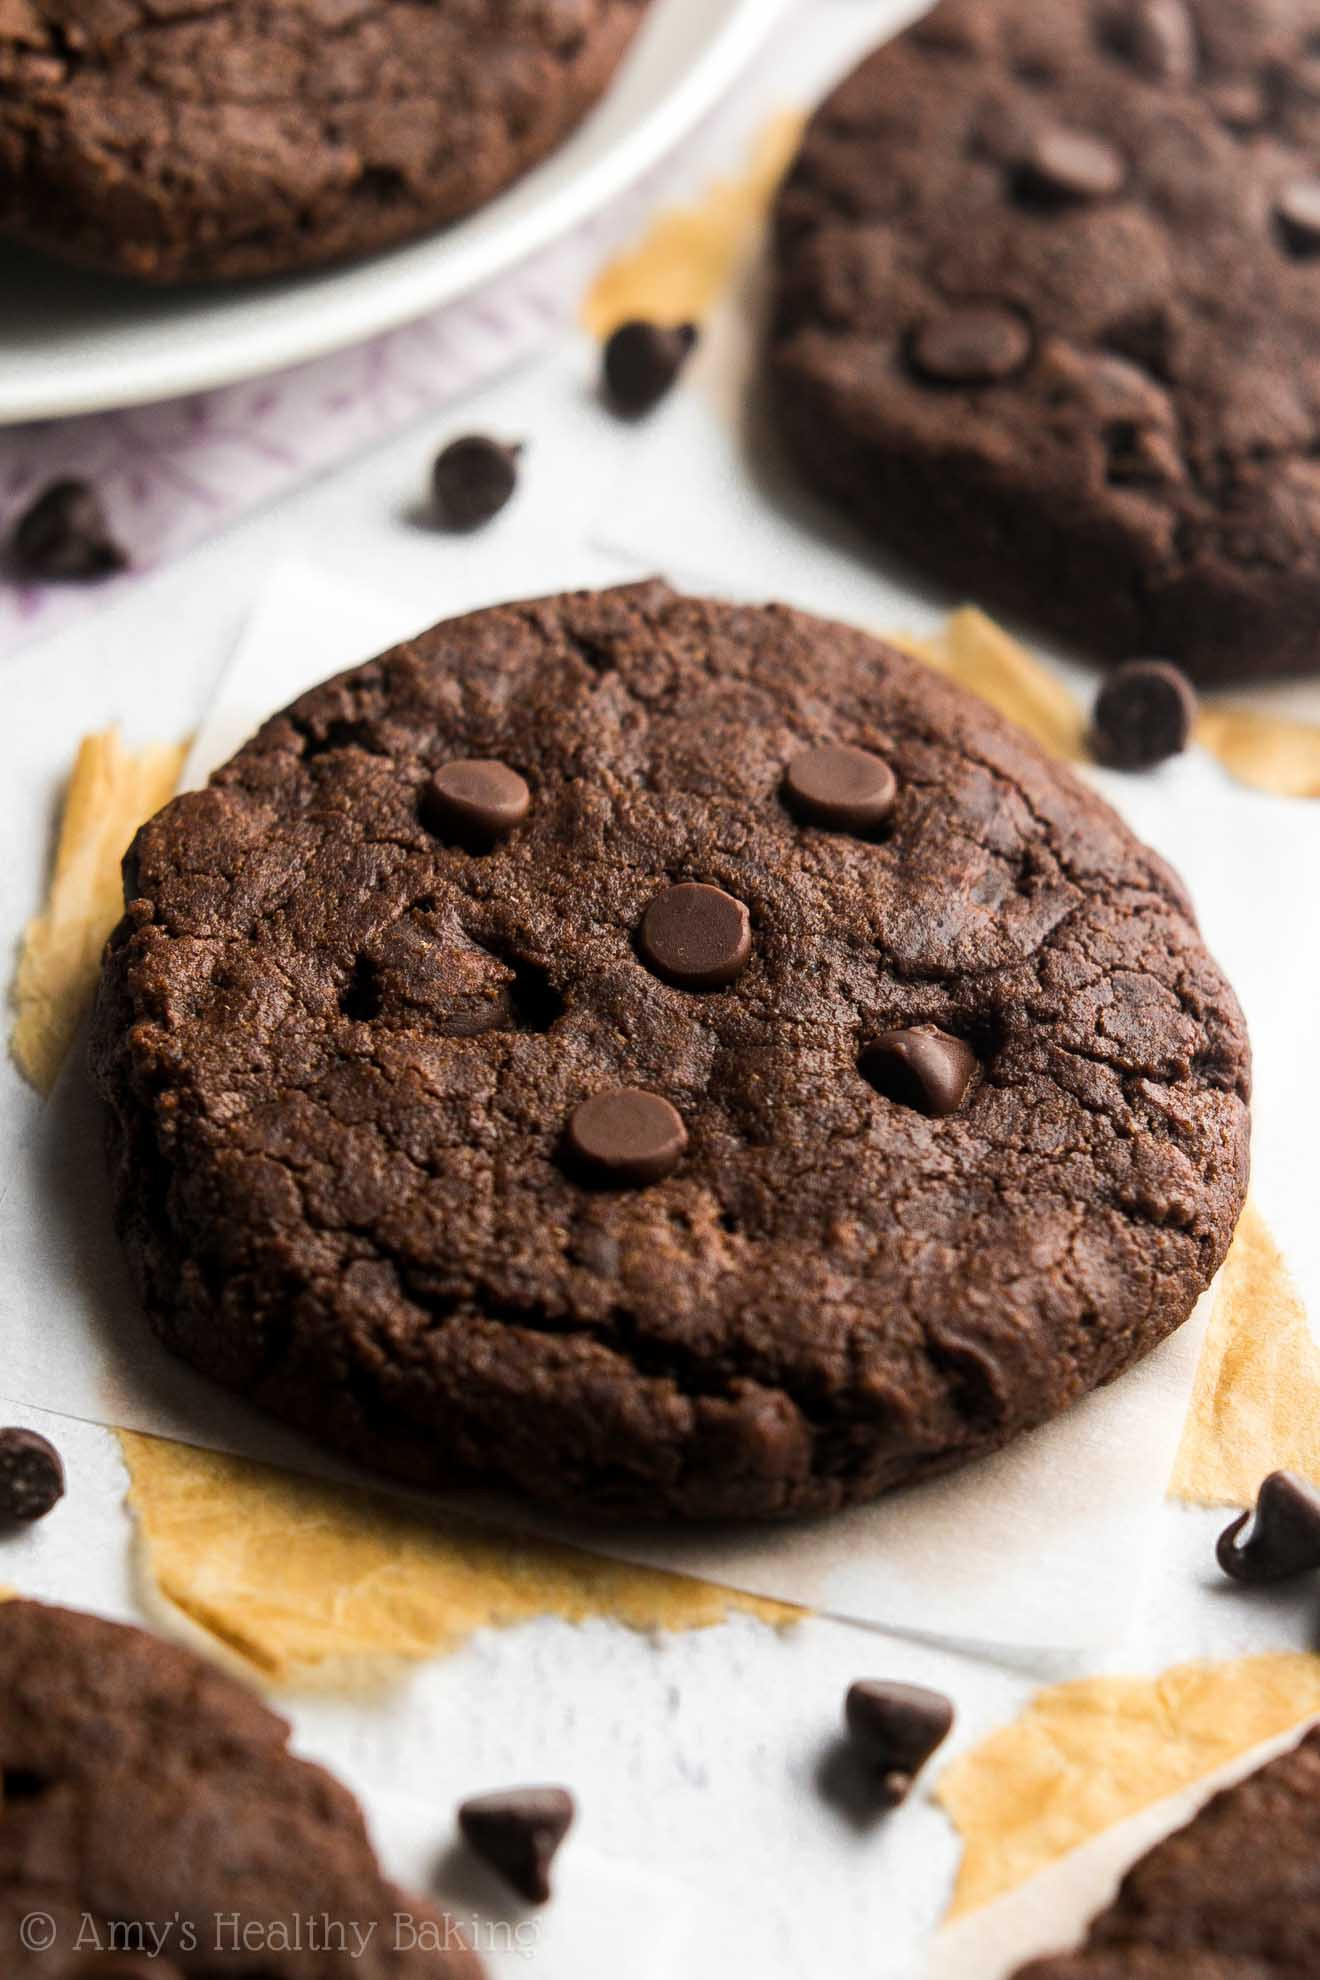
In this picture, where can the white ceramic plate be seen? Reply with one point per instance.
(73, 343)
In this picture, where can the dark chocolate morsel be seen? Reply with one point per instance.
(627, 1137)
(65, 534)
(1143, 715)
(979, 344)
(841, 788)
(922, 1067)
(475, 798)
(642, 361)
(1066, 164)
(896, 1728)
(1157, 37)
(1285, 1535)
(695, 936)
(1298, 209)
(31, 1475)
(472, 479)
(517, 1833)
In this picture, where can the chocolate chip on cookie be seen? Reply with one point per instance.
(627, 1137)
(923, 1068)
(840, 788)
(697, 937)
(475, 798)
(978, 344)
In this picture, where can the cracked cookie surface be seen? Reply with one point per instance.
(347, 1059)
(1233, 1896)
(1047, 317)
(143, 1791)
(176, 142)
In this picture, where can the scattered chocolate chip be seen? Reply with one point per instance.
(1065, 164)
(1162, 40)
(1285, 1536)
(843, 789)
(31, 1476)
(65, 534)
(642, 361)
(1298, 208)
(1143, 715)
(472, 479)
(474, 799)
(1239, 104)
(695, 936)
(517, 1833)
(922, 1067)
(977, 345)
(896, 1728)
(627, 1137)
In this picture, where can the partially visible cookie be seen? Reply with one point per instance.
(673, 1058)
(1047, 317)
(144, 1791)
(1233, 1896)
(180, 143)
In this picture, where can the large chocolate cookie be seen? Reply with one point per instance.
(781, 1259)
(1233, 1896)
(150, 1804)
(1048, 317)
(177, 142)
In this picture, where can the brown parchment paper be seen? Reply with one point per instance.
(305, 1580)
(111, 791)
(1256, 1402)
(1087, 1754)
(688, 256)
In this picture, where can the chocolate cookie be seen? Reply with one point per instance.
(181, 143)
(1233, 1896)
(152, 1805)
(775, 1079)
(1048, 316)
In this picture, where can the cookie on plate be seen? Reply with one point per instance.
(178, 143)
(1233, 1896)
(151, 1804)
(674, 1058)
(1048, 317)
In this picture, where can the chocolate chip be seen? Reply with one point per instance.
(65, 534)
(1298, 210)
(474, 800)
(642, 361)
(627, 1137)
(696, 937)
(1162, 40)
(1143, 715)
(517, 1833)
(31, 1476)
(921, 1067)
(896, 1728)
(1065, 164)
(1241, 104)
(1285, 1538)
(472, 480)
(843, 789)
(977, 345)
